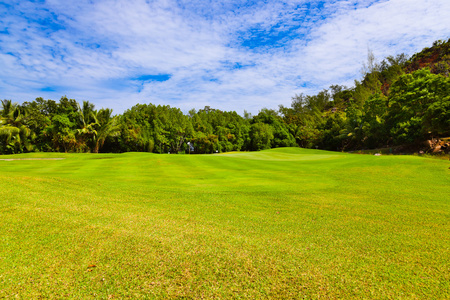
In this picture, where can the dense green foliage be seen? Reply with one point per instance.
(285, 223)
(398, 101)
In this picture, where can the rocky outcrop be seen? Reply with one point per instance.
(437, 146)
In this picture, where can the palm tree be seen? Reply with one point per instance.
(87, 122)
(106, 126)
(14, 131)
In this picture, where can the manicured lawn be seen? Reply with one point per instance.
(284, 223)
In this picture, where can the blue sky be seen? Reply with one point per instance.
(231, 55)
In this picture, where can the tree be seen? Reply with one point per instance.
(330, 132)
(39, 114)
(280, 131)
(64, 125)
(371, 65)
(14, 130)
(178, 128)
(418, 106)
(261, 136)
(87, 124)
(341, 96)
(374, 130)
(204, 142)
(105, 126)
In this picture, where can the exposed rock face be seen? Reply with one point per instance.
(429, 144)
(437, 149)
(437, 146)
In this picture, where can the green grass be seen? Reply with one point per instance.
(284, 223)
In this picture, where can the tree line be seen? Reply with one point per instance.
(398, 101)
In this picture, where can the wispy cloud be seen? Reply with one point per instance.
(233, 55)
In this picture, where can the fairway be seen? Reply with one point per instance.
(285, 223)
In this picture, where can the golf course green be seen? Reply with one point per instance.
(285, 223)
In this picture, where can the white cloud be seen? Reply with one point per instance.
(102, 45)
(339, 46)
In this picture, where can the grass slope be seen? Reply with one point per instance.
(283, 223)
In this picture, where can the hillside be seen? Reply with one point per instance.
(436, 58)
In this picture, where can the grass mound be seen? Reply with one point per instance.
(282, 223)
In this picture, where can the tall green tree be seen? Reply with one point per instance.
(280, 131)
(87, 124)
(374, 131)
(418, 105)
(40, 112)
(64, 125)
(14, 131)
(106, 125)
(261, 136)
